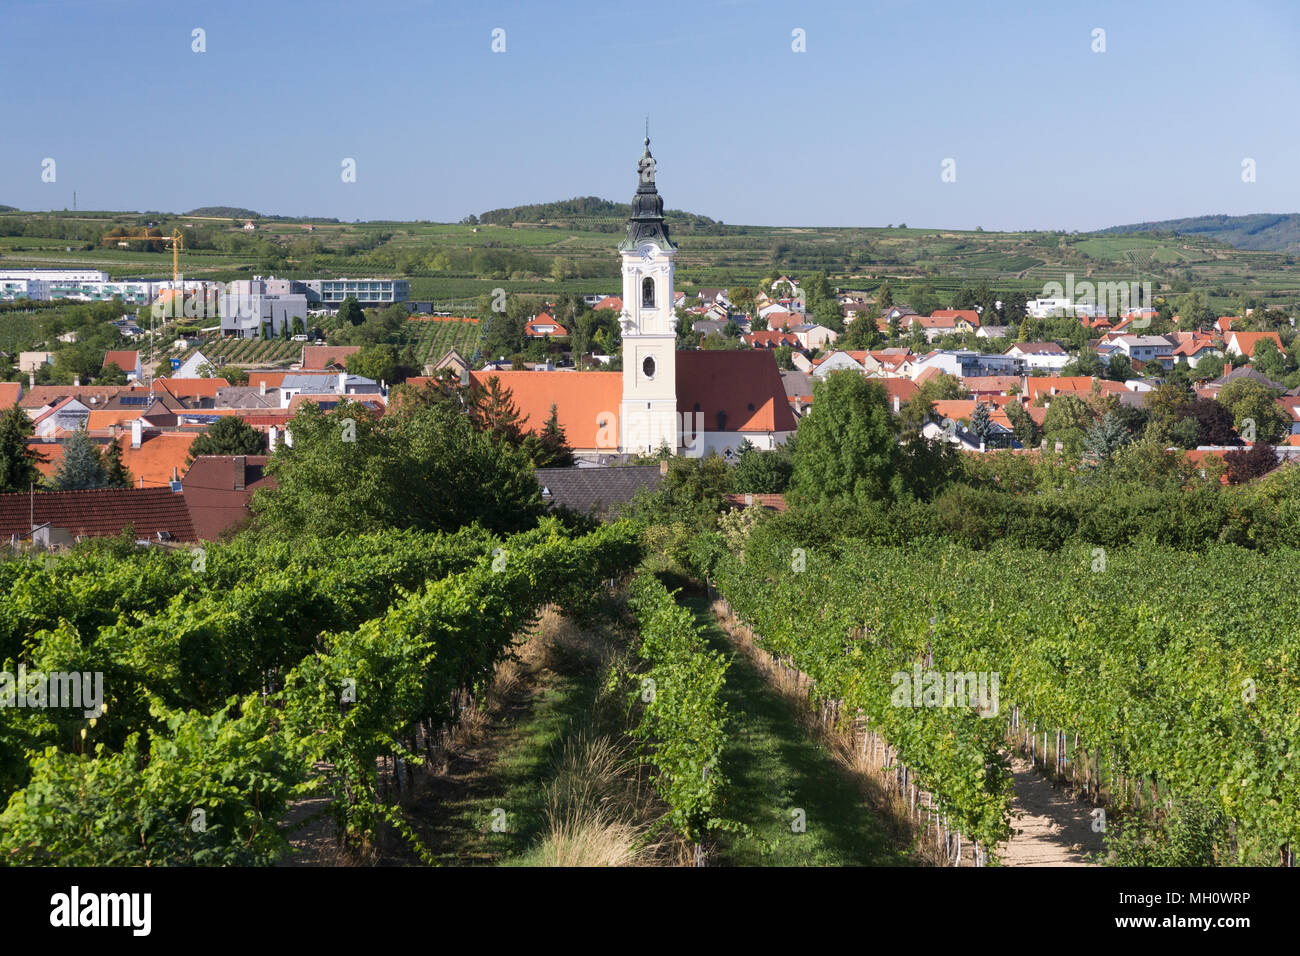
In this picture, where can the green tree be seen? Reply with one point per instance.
(116, 474)
(885, 299)
(981, 423)
(111, 375)
(81, 467)
(1023, 427)
(1252, 401)
(762, 472)
(229, 435)
(18, 461)
(495, 413)
(550, 448)
(351, 313)
(1267, 360)
(351, 471)
(1105, 438)
(847, 445)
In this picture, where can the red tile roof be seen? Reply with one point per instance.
(272, 379)
(610, 302)
(990, 384)
(217, 490)
(103, 513)
(970, 315)
(545, 321)
(1246, 341)
(770, 339)
(160, 455)
(743, 385)
(38, 396)
(10, 393)
(1037, 384)
(125, 360)
(581, 400)
(316, 357)
(192, 387)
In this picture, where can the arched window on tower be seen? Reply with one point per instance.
(647, 293)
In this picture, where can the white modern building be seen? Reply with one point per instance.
(247, 309)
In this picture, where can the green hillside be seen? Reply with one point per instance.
(1271, 232)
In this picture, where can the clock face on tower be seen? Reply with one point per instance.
(648, 251)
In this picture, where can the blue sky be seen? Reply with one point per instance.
(1044, 132)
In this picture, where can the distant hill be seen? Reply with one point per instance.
(9, 209)
(1261, 232)
(575, 211)
(225, 212)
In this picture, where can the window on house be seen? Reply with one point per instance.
(648, 292)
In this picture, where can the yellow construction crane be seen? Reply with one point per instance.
(176, 239)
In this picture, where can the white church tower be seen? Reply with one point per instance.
(648, 418)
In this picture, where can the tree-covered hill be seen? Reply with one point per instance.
(1267, 232)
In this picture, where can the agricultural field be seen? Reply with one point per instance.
(451, 264)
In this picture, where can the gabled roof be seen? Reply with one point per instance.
(93, 396)
(991, 384)
(192, 387)
(71, 404)
(970, 315)
(10, 393)
(102, 513)
(160, 455)
(217, 489)
(610, 302)
(770, 339)
(1037, 384)
(737, 391)
(600, 492)
(272, 379)
(581, 399)
(1246, 341)
(543, 325)
(323, 356)
(1245, 371)
(781, 319)
(125, 360)
(1037, 348)
(960, 410)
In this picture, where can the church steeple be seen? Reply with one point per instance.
(646, 223)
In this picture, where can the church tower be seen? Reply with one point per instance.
(648, 417)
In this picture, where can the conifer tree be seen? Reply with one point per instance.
(81, 468)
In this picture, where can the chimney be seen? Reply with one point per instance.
(137, 433)
(240, 463)
(896, 405)
(76, 381)
(1227, 367)
(663, 467)
(261, 387)
(272, 437)
(343, 383)
(31, 379)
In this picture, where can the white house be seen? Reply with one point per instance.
(1146, 348)
(813, 337)
(1048, 355)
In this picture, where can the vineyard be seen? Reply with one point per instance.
(239, 678)
(432, 337)
(1162, 684)
(251, 351)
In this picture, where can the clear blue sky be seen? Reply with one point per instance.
(1045, 132)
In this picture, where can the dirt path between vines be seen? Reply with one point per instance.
(1050, 827)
